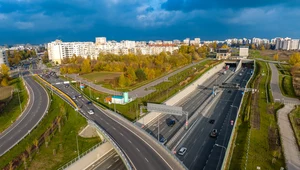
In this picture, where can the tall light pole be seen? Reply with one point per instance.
(221, 146)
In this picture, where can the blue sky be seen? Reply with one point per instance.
(40, 21)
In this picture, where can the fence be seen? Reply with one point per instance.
(80, 156)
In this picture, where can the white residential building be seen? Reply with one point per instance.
(294, 44)
(100, 40)
(3, 58)
(244, 51)
(186, 41)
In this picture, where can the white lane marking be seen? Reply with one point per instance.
(121, 134)
(146, 160)
(109, 166)
(129, 141)
(114, 128)
(137, 149)
(107, 123)
(202, 129)
(116, 160)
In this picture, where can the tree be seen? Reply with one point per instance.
(224, 46)
(252, 46)
(86, 66)
(140, 75)
(262, 47)
(275, 57)
(4, 81)
(11, 165)
(122, 81)
(4, 70)
(131, 74)
(36, 144)
(196, 56)
(23, 157)
(45, 57)
(294, 58)
(28, 150)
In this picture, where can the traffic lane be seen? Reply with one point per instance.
(203, 127)
(218, 153)
(112, 161)
(142, 156)
(32, 116)
(118, 165)
(205, 153)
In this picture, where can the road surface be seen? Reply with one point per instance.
(34, 112)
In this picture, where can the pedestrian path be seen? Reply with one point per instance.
(290, 147)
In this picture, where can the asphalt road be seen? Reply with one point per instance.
(33, 113)
(202, 153)
(191, 104)
(143, 152)
(111, 161)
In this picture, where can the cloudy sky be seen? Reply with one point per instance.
(40, 21)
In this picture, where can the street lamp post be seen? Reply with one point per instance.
(221, 146)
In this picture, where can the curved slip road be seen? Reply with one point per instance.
(33, 113)
(142, 150)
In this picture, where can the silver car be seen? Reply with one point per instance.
(182, 151)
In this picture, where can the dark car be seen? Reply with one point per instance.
(170, 122)
(89, 102)
(212, 121)
(214, 133)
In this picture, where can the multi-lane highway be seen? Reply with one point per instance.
(142, 151)
(33, 113)
(202, 153)
(190, 105)
(111, 161)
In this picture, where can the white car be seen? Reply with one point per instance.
(182, 151)
(91, 112)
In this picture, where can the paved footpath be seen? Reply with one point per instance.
(139, 92)
(290, 148)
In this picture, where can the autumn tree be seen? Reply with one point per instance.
(86, 66)
(122, 81)
(131, 75)
(294, 58)
(141, 76)
(45, 57)
(252, 46)
(275, 57)
(224, 46)
(4, 70)
(262, 47)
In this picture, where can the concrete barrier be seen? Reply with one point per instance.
(182, 94)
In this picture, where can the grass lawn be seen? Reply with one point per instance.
(12, 110)
(163, 90)
(263, 150)
(5, 92)
(101, 77)
(268, 54)
(63, 142)
(286, 80)
(295, 120)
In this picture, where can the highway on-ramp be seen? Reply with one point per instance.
(33, 113)
(143, 152)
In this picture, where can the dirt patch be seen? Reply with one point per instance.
(271, 109)
(255, 121)
(273, 139)
(5, 92)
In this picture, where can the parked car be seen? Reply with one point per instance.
(182, 151)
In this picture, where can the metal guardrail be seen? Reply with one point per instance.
(231, 142)
(118, 149)
(80, 156)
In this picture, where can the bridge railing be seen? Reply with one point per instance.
(118, 149)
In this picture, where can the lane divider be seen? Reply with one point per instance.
(62, 93)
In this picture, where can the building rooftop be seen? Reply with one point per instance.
(117, 97)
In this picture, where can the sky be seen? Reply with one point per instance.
(42, 21)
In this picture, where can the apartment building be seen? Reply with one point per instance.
(3, 57)
(287, 44)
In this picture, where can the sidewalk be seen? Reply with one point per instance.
(91, 157)
(290, 148)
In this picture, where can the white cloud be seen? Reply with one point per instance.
(24, 25)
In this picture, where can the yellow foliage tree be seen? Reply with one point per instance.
(4, 70)
(86, 66)
(224, 46)
(122, 81)
(294, 58)
(276, 56)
